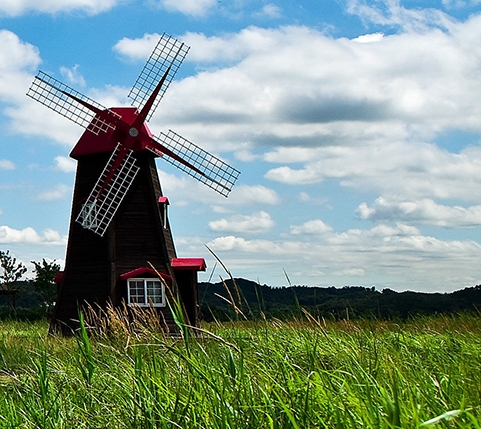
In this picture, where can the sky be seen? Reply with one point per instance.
(356, 125)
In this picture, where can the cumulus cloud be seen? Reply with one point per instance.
(72, 75)
(425, 211)
(350, 272)
(65, 164)
(316, 226)
(5, 164)
(333, 93)
(58, 192)
(399, 254)
(137, 49)
(17, 60)
(270, 11)
(252, 224)
(30, 236)
(394, 168)
(188, 190)
(392, 13)
(188, 7)
(19, 7)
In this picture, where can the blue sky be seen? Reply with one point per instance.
(356, 126)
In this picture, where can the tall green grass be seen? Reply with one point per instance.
(307, 373)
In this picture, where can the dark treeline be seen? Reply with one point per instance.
(339, 303)
(255, 300)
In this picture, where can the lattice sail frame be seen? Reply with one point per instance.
(169, 52)
(214, 172)
(100, 207)
(55, 95)
(104, 200)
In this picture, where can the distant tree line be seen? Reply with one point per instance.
(230, 300)
(241, 298)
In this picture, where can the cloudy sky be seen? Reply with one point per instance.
(356, 125)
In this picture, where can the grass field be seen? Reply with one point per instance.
(425, 372)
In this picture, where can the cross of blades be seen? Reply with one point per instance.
(128, 133)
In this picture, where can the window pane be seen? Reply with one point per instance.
(154, 291)
(137, 292)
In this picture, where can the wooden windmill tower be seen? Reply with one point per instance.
(119, 220)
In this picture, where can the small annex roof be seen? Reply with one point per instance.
(188, 264)
(142, 271)
(59, 277)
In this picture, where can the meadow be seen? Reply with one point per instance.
(304, 373)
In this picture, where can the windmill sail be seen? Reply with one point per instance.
(208, 169)
(57, 96)
(167, 55)
(102, 204)
(100, 207)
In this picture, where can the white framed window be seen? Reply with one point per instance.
(145, 292)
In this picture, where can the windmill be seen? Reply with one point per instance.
(119, 220)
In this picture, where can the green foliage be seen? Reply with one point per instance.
(11, 270)
(329, 302)
(44, 281)
(423, 372)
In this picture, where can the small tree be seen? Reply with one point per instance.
(11, 273)
(44, 281)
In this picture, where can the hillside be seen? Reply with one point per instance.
(352, 301)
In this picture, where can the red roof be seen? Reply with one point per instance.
(139, 272)
(188, 264)
(163, 200)
(105, 141)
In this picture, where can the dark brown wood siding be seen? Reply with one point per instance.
(135, 237)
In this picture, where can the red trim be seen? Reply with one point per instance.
(163, 200)
(90, 143)
(188, 264)
(139, 272)
(59, 277)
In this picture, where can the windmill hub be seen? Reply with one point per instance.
(133, 132)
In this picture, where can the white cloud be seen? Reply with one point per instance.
(65, 164)
(316, 226)
(188, 190)
(59, 192)
(357, 272)
(253, 224)
(137, 49)
(270, 11)
(19, 7)
(400, 255)
(424, 211)
(392, 13)
(5, 164)
(30, 236)
(394, 168)
(73, 75)
(17, 60)
(253, 194)
(369, 38)
(188, 7)
(344, 99)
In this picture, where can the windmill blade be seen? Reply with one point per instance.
(104, 200)
(198, 163)
(169, 52)
(61, 98)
